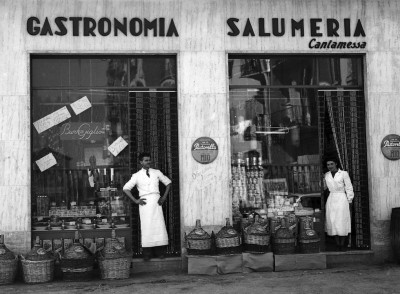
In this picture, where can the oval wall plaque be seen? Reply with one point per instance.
(204, 150)
(390, 147)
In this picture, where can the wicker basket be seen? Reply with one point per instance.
(309, 246)
(8, 270)
(8, 264)
(77, 262)
(256, 237)
(228, 240)
(38, 265)
(198, 241)
(284, 242)
(38, 271)
(309, 241)
(114, 260)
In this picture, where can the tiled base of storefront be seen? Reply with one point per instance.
(156, 265)
(247, 262)
(339, 259)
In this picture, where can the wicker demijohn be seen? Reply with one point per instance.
(77, 262)
(309, 240)
(8, 264)
(256, 236)
(198, 241)
(291, 221)
(114, 260)
(38, 265)
(227, 240)
(302, 224)
(283, 241)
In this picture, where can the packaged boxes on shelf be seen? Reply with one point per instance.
(75, 211)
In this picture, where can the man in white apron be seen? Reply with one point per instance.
(152, 224)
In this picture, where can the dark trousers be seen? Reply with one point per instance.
(149, 252)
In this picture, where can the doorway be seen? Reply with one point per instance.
(154, 129)
(342, 133)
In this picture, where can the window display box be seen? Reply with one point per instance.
(291, 262)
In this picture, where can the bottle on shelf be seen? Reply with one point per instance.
(112, 183)
(105, 179)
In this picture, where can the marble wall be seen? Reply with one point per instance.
(201, 48)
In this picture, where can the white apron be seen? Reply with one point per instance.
(338, 220)
(152, 222)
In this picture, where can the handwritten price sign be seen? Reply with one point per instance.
(52, 119)
(117, 146)
(46, 162)
(81, 105)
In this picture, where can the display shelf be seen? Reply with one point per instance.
(68, 230)
(65, 216)
(90, 233)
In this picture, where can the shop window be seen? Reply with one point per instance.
(273, 132)
(283, 111)
(294, 70)
(80, 183)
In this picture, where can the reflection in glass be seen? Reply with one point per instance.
(273, 131)
(294, 70)
(53, 72)
(249, 72)
(109, 72)
(339, 71)
(155, 71)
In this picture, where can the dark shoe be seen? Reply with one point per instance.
(147, 254)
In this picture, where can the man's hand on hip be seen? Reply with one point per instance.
(141, 202)
(161, 201)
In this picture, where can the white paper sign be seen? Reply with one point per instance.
(81, 105)
(117, 146)
(52, 119)
(46, 162)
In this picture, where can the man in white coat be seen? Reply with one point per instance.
(152, 224)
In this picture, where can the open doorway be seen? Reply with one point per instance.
(343, 135)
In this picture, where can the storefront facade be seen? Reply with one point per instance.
(209, 42)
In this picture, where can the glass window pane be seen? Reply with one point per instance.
(80, 72)
(109, 72)
(335, 71)
(50, 72)
(79, 145)
(250, 71)
(154, 71)
(292, 71)
(274, 138)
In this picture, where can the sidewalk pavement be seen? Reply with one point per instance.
(354, 279)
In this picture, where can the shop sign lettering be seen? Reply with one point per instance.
(390, 147)
(90, 27)
(82, 131)
(313, 27)
(204, 150)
